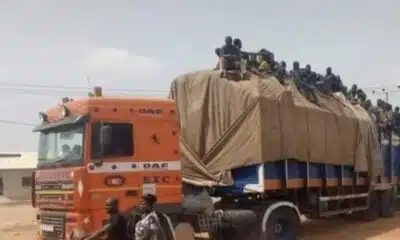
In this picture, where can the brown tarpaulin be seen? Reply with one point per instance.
(226, 125)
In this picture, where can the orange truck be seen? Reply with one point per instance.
(100, 147)
(78, 170)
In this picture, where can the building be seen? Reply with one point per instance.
(16, 174)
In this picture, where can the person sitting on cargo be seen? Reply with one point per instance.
(367, 105)
(230, 56)
(274, 65)
(302, 82)
(281, 73)
(243, 55)
(252, 62)
(361, 96)
(308, 76)
(115, 227)
(353, 91)
(264, 67)
(238, 44)
(332, 83)
(296, 71)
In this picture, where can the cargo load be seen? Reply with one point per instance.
(227, 125)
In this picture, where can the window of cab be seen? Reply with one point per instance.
(121, 142)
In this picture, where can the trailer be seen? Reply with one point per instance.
(276, 193)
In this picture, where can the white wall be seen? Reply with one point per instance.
(12, 180)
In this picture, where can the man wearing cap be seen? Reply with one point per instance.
(149, 228)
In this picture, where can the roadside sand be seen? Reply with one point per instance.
(17, 222)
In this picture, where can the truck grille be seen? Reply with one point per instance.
(53, 226)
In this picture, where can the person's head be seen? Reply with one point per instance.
(148, 202)
(218, 52)
(111, 205)
(308, 68)
(282, 64)
(362, 97)
(396, 109)
(389, 107)
(328, 70)
(237, 43)
(76, 149)
(379, 103)
(368, 104)
(228, 40)
(65, 148)
(296, 65)
(354, 87)
(265, 57)
(271, 57)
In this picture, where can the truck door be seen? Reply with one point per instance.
(112, 172)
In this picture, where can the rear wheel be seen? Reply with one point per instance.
(372, 213)
(388, 203)
(283, 223)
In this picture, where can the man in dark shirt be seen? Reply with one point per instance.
(296, 71)
(281, 73)
(230, 55)
(252, 61)
(115, 226)
(228, 49)
(353, 92)
(332, 82)
(308, 76)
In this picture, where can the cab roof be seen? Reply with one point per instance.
(82, 106)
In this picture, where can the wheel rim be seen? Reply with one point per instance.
(280, 227)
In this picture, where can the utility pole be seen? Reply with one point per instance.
(386, 93)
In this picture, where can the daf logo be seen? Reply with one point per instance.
(114, 181)
(150, 111)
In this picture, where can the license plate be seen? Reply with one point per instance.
(47, 228)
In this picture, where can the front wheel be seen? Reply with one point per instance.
(283, 223)
(184, 231)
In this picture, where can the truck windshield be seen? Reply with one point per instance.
(61, 147)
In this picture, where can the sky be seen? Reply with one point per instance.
(141, 46)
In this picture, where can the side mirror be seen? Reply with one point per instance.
(105, 132)
(33, 189)
(105, 135)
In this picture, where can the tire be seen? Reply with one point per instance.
(372, 213)
(282, 224)
(388, 203)
(184, 231)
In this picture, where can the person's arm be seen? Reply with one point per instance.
(99, 232)
(113, 221)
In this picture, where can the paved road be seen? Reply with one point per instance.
(17, 222)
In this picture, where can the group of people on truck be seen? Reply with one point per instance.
(231, 57)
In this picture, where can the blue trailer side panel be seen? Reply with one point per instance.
(294, 174)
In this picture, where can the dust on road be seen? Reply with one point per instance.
(17, 222)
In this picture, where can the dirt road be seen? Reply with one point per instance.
(17, 222)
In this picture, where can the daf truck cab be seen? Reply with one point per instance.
(101, 147)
